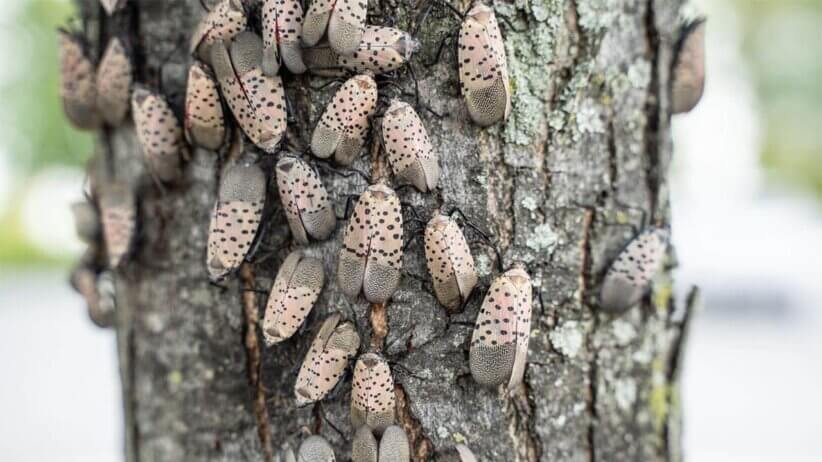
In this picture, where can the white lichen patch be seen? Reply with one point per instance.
(567, 338)
(589, 119)
(458, 438)
(442, 432)
(624, 332)
(542, 239)
(483, 265)
(597, 14)
(529, 203)
(625, 393)
(639, 74)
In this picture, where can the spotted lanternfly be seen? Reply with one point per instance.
(84, 280)
(449, 261)
(159, 132)
(305, 201)
(630, 275)
(483, 67)
(372, 393)
(77, 83)
(257, 101)
(204, 121)
(282, 31)
(225, 21)
(382, 50)
(342, 128)
(296, 289)
(114, 83)
(315, 449)
(371, 256)
(118, 215)
(345, 20)
(236, 217)
(111, 6)
(410, 153)
(499, 345)
(86, 221)
(393, 446)
(459, 453)
(689, 68)
(335, 344)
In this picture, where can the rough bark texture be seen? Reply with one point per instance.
(579, 168)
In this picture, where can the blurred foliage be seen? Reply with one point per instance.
(36, 133)
(783, 44)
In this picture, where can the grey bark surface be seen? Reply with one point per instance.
(577, 171)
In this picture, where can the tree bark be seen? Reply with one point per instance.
(577, 171)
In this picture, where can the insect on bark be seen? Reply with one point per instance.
(372, 394)
(315, 449)
(499, 344)
(459, 453)
(296, 288)
(78, 89)
(689, 68)
(86, 221)
(225, 21)
(342, 128)
(483, 67)
(282, 32)
(629, 277)
(118, 215)
(159, 133)
(393, 446)
(204, 119)
(344, 19)
(114, 83)
(409, 150)
(305, 200)
(334, 345)
(382, 50)
(236, 218)
(371, 255)
(256, 100)
(449, 261)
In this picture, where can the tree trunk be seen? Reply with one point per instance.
(579, 168)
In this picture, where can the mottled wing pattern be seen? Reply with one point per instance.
(343, 125)
(354, 250)
(204, 119)
(478, 63)
(493, 343)
(316, 20)
(381, 50)
(225, 21)
(267, 100)
(114, 83)
(449, 261)
(271, 50)
(409, 149)
(118, 215)
(305, 199)
(372, 394)
(384, 262)
(289, 34)
(364, 448)
(296, 289)
(159, 133)
(630, 275)
(345, 28)
(522, 282)
(315, 449)
(77, 83)
(394, 445)
(233, 228)
(334, 345)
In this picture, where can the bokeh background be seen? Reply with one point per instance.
(747, 195)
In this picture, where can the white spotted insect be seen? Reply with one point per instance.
(282, 33)
(112, 6)
(315, 449)
(78, 89)
(118, 216)
(256, 100)
(86, 221)
(372, 394)
(159, 133)
(410, 153)
(449, 261)
(204, 120)
(114, 83)
(344, 19)
(305, 200)
(483, 67)
(298, 284)
(689, 68)
(382, 50)
(236, 217)
(499, 344)
(333, 347)
(371, 255)
(630, 275)
(224, 22)
(343, 126)
(393, 446)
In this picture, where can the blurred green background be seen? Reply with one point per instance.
(780, 46)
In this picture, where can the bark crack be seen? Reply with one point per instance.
(421, 447)
(654, 178)
(252, 348)
(593, 376)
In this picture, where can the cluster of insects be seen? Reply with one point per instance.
(236, 73)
